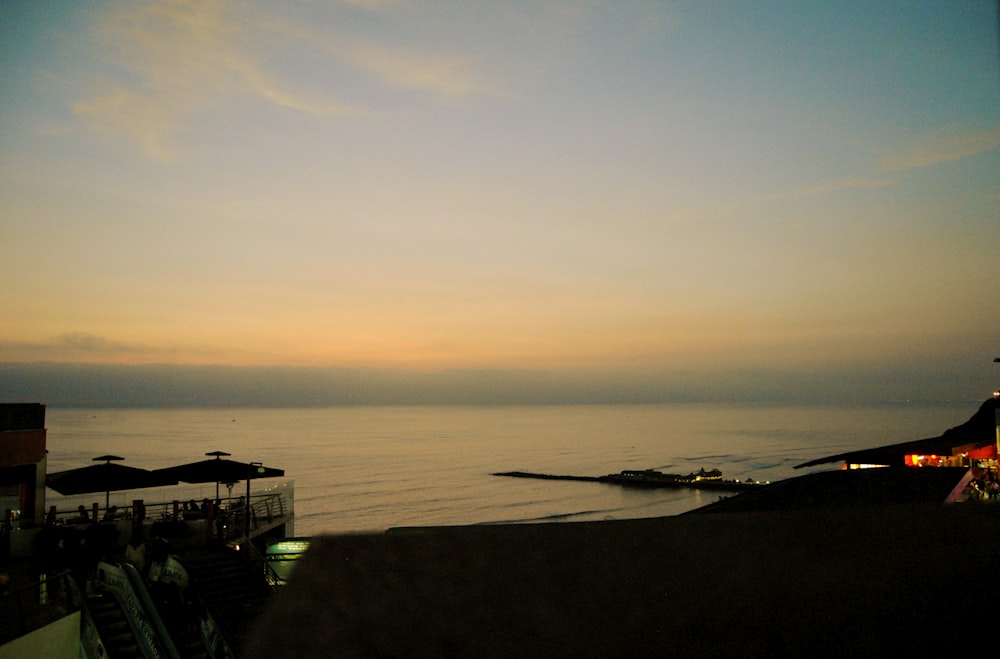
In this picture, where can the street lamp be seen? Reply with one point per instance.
(259, 466)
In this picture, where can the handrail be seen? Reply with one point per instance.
(211, 636)
(256, 559)
(138, 585)
(141, 613)
(31, 606)
(90, 637)
(268, 506)
(155, 510)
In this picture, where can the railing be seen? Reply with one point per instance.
(148, 623)
(256, 560)
(90, 637)
(267, 507)
(169, 501)
(264, 510)
(211, 636)
(31, 606)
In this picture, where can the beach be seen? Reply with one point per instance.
(857, 562)
(860, 581)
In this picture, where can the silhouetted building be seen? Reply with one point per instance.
(22, 463)
(973, 443)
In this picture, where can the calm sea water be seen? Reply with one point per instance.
(372, 468)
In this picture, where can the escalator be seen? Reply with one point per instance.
(125, 616)
(158, 620)
(115, 616)
(113, 627)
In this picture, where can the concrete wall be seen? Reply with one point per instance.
(58, 640)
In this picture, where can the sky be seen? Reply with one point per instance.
(687, 199)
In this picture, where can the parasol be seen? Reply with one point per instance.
(105, 477)
(219, 470)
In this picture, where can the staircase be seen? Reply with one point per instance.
(188, 644)
(234, 591)
(181, 622)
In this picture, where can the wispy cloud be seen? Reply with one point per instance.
(856, 183)
(85, 342)
(945, 146)
(429, 68)
(87, 347)
(141, 118)
(177, 58)
(410, 69)
(78, 347)
(370, 4)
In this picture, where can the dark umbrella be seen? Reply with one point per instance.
(219, 470)
(105, 477)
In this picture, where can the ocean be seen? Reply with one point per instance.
(373, 468)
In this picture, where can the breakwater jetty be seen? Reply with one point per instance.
(650, 478)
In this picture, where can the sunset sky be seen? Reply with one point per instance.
(562, 187)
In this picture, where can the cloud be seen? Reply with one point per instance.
(85, 342)
(828, 188)
(143, 119)
(173, 59)
(945, 146)
(83, 347)
(372, 5)
(164, 385)
(420, 68)
(169, 61)
(440, 74)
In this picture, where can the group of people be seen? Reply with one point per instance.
(985, 486)
(79, 546)
(83, 516)
(165, 577)
(191, 509)
(80, 542)
(76, 549)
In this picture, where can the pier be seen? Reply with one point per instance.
(649, 478)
